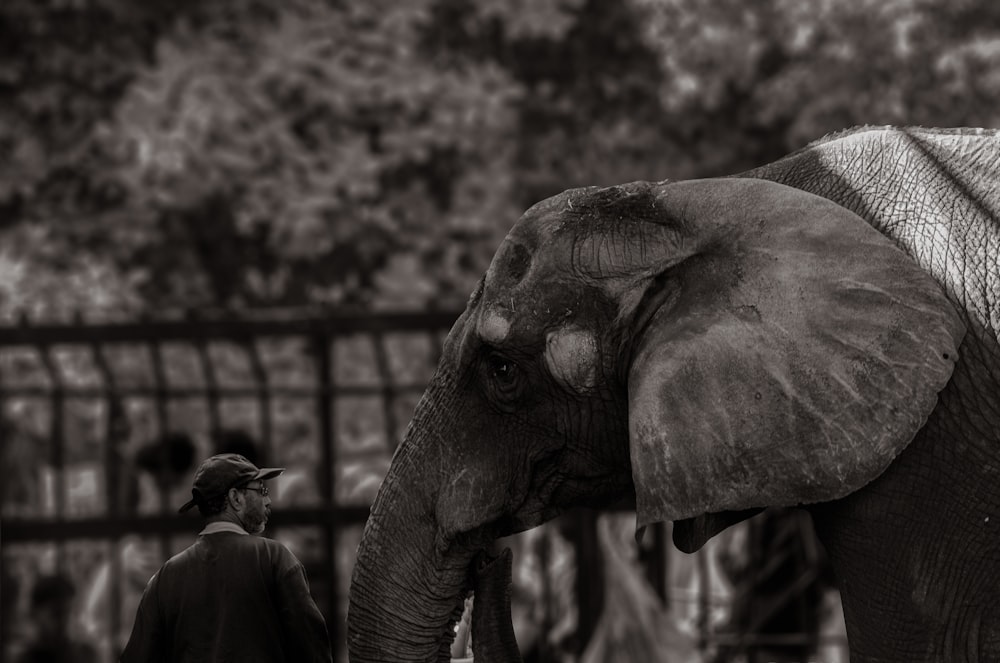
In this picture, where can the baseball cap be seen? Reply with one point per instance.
(216, 475)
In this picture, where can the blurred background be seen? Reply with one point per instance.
(249, 224)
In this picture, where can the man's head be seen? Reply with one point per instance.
(230, 487)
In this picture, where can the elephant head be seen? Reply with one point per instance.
(712, 346)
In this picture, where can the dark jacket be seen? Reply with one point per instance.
(229, 597)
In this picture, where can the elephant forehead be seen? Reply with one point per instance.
(512, 281)
(512, 311)
(511, 263)
(498, 304)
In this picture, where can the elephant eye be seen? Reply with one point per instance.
(501, 369)
(504, 377)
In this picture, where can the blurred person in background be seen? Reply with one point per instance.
(236, 441)
(51, 611)
(232, 595)
(10, 588)
(781, 578)
(157, 468)
(21, 454)
(162, 467)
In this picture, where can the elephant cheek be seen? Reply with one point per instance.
(472, 502)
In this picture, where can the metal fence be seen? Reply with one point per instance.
(327, 396)
(163, 367)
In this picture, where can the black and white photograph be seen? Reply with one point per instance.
(499, 331)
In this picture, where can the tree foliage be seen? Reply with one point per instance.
(372, 154)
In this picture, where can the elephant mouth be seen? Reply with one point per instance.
(484, 569)
(452, 634)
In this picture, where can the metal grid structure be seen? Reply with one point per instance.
(329, 515)
(322, 389)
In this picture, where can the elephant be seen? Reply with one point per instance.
(492, 630)
(820, 332)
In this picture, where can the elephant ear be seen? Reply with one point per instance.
(786, 357)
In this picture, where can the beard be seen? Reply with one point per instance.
(254, 521)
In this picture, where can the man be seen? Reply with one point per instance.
(232, 595)
(52, 612)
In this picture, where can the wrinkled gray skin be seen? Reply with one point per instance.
(492, 628)
(718, 346)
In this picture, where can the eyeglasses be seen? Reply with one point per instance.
(262, 489)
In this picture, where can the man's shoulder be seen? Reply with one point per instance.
(179, 557)
(178, 560)
(274, 548)
(233, 547)
(232, 541)
(282, 559)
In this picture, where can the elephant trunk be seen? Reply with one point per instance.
(405, 596)
(409, 583)
(492, 629)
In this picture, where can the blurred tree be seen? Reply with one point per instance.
(746, 84)
(291, 161)
(589, 111)
(64, 66)
(253, 153)
(260, 155)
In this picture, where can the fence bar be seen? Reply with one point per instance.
(116, 434)
(211, 387)
(192, 392)
(21, 530)
(327, 432)
(115, 414)
(162, 426)
(704, 590)
(543, 548)
(56, 432)
(655, 560)
(57, 440)
(388, 391)
(590, 585)
(263, 397)
(331, 324)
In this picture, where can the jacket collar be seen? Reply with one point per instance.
(222, 526)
